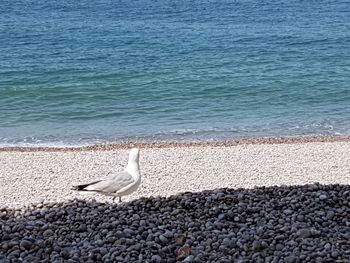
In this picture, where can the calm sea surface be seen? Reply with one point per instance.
(82, 72)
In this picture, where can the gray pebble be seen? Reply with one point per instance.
(48, 233)
(327, 246)
(26, 244)
(128, 232)
(221, 216)
(288, 211)
(323, 197)
(163, 239)
(279, 247)
(65, 253)
(156, 259)
(334, 254)
(304, 233)
(290, 259)
(189, 258)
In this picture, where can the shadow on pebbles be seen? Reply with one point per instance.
(309, 223)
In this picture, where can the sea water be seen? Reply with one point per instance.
(85, 72)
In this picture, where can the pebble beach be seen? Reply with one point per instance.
(262, 201)
(47, 174)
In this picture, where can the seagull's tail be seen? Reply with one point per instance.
(80, 187)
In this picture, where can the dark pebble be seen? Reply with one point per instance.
(26, 245)
(290, 224)
(304, 233)
(48, 233)
(156, 259)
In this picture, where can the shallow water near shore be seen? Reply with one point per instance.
(108, 71)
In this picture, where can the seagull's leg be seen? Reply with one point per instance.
(113, 198)
(120, 199)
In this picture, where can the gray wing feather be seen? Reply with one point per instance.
(112, 183)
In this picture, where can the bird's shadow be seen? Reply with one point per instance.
(212, 225)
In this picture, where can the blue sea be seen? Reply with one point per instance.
(85, 72)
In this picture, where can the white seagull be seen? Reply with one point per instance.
(120, 183)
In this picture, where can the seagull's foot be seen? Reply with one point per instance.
(119, 198)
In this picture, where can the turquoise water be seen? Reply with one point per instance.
(82, 72)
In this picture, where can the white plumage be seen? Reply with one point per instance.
(118, 184)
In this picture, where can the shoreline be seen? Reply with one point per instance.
(180, 144)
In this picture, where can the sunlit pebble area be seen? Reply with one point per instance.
(31, 177)
(275, 224)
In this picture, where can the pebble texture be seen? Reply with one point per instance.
(31, 177)
(289, 224)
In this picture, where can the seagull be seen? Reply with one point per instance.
(118, 184)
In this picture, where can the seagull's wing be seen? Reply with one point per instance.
(111, 184)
